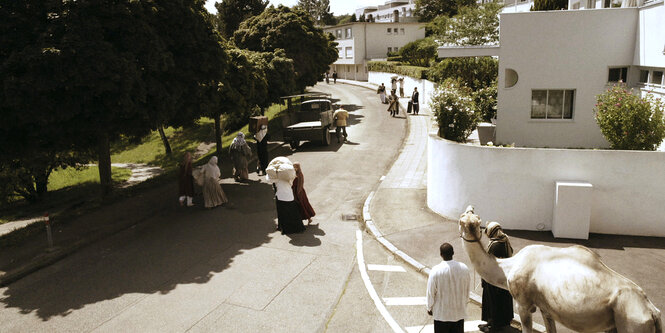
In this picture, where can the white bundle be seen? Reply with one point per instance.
(281, 168)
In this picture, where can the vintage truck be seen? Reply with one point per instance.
(311, 120)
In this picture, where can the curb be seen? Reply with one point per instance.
(422, 269)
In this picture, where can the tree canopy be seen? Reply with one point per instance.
(319, 10)
(428, 10)
(230, 13)
(473, 25)
(293, 31)
(419, 52)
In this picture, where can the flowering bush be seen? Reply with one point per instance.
(628, 121)
(454, 109)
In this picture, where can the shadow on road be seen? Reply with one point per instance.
(308, 237)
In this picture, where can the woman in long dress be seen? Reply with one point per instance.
(306, 210)
(280, 172)
(497, 308)
(213, 195)
(262, 149)
(239, 152)
(186, 181)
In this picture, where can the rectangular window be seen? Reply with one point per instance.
(396, 49)
(348, 52)
(401, 31)
(396, 31)
(389, 31)
(617, 74)
(552, 104)
(348, 32)
(340, 52)
(657, 77)
(590, 4)
(644, 76)
(338, 33)
(390, 49)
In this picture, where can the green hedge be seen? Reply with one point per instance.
(397, 68)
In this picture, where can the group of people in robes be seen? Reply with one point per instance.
(290, 196)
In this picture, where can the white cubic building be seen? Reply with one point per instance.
(359, 42)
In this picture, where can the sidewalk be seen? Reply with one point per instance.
(396, 213)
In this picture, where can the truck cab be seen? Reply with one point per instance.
(312, 121)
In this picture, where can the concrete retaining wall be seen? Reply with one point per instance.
(516, 186)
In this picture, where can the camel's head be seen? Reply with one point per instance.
(469, 225)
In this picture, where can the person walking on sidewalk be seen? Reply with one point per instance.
(306, 210)
(262, 149)
(393, 106)
(327, 77)
(334, 76)
(186, 181)
(401, 87)
(381, 90)
(213, 195)
(497, 308)
(414, 101)
(239, 152)
(448, 292)
(340, 117)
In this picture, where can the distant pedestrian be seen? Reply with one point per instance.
(448, 292)
(393, 106)
(262, 149)
(497, 308)
(340, 117)
(414, 101)
(382, 93)
(401, 87)
(327, 77)
(213, 195)
(334, 76)
(186, 181)
(393, 84)
(239, 152)
(281, 173)
(306, 210)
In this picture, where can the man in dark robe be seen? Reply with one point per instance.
(497, 308)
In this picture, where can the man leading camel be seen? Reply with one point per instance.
(448, 292)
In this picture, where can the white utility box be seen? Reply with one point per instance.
(572, 210)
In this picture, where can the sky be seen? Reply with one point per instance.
(337, 7)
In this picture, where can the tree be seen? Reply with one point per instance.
(353, 18)
(473, 25)
(419, 52)
(427, 10)
(454, 109)
(230, 13)
(542, 5)
(473, 72)
(293, 31)
(319, 10)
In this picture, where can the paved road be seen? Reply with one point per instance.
(223, 269)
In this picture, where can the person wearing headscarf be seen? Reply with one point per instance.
(262, 149)
(393, 106)
(497, 307)
(381, 90)
(239, 152)
(306, 210)
(280, 173)
(186, 181)
(213, 195)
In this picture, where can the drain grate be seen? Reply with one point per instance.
(350, 217)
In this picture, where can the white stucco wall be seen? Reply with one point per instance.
(425, 87)
(650, 50)
(516, 186)
(560, 50)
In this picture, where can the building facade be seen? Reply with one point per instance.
(359, 42)
(391, 11)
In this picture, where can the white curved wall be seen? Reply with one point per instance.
(516, 186)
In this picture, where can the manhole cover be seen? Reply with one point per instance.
(350, 217)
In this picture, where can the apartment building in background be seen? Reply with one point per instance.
(391, 11)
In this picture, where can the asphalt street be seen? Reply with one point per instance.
(227, 269)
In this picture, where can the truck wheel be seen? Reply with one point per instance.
(294, 144)
(326, 137)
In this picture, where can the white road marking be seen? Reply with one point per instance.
(391, 301)
(370, 288)
(386, 268)
(469, 326)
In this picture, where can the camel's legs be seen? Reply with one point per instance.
(525, 317)
(550, 324)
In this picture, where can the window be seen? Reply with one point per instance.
(656, 77)
(348, 52)
(644, 76)
(590, 4)
(338, 33)
(390, 49)
(396, 49)
(389, 31)
(339, 51)
(395, 30)
(617, 74)
(552, 104)
(401, 31)
(348, 33)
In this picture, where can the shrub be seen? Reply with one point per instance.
(628, 121)
(396, 68)
(485, 99)
(453, 107)
(419, 52)
(541, 5)
(475, 73)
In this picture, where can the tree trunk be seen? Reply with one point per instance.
(104, 164)
(41, 183)
(218, 137)
(165, 140)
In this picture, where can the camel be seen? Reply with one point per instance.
(569, 285)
